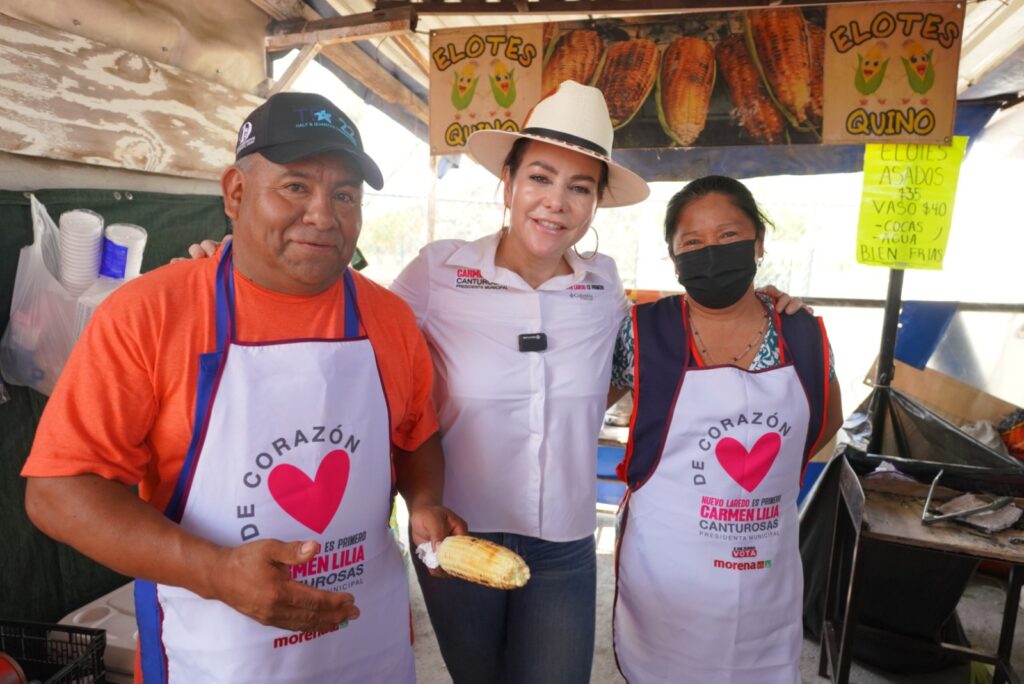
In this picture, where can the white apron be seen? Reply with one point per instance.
(292, 443)
(709, 580)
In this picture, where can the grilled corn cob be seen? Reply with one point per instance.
(575, 58)
(685, 81)
(779, 40)
(481, 561)
(549, 40)
(816, 50)
(626, 75)
(548, 32)
(755, 110)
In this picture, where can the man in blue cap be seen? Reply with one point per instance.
(267, 403)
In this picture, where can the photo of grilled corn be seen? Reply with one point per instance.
(547, 33)
(575, 58)
(752, 106)
(626, 76)
(816, 50)
(770, 63)
(777, 39)
(685, 81)
(483, 562)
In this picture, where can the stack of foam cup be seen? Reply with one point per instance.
(123, 244)
(81, 247)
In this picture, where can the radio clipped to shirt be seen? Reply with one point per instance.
(533, 342)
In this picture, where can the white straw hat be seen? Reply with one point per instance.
(575, 117)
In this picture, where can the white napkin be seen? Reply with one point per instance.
(425, 552)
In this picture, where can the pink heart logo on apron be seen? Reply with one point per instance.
(312, 502)
(748, 468)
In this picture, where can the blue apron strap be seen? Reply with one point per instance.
(225, 299)
(209, 367)
(151, 649)
(351, 308)
(147, 607)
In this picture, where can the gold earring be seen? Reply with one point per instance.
(597, 243)
(504, 220)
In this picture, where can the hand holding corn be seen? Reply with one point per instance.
(430, 524)
(480, 561)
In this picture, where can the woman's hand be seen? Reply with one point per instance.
(206, 248)
(784, 304)
(432, 524)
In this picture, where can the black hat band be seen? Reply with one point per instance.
(567, 138)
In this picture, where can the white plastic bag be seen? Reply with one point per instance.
(41, 330)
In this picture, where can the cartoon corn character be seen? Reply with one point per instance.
(919, 67)
(503, 83)
(464, 86)
(871, 68)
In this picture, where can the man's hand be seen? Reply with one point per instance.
(256, 581)
(785, 304)
(432, 524)
(106, 521)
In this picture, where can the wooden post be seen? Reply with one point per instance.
(432, 198)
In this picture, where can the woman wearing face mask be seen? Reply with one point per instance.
(731, 400)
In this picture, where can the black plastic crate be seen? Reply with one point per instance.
(55, 654)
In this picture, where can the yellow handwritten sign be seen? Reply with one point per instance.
(907, 203)
(486, 77)
(890, 72)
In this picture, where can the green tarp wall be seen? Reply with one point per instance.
(39, 578)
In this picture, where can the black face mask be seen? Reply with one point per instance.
(717, 276)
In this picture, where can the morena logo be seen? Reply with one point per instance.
(743, 565)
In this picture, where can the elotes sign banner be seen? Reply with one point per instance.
(481, 78)
(891, 72)
(779, 76)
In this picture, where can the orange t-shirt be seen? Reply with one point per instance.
(124, 406)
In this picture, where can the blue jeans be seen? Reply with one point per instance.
(541, 633)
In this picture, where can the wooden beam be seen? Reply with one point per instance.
(65, 97)
(367, 71)
(304, 57)
(602, 7)
(282, 9)
(993, 24)
(354, 61)
(413, 52)
(220, 41)
(407, 53)
(297, 33)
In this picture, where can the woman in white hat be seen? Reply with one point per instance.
(522, 329)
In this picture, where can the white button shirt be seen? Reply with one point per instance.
(519, 429)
